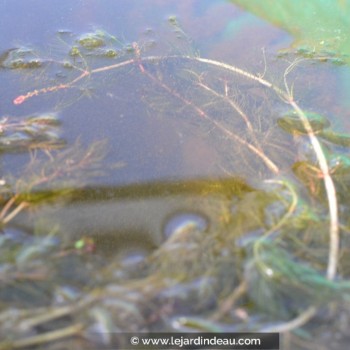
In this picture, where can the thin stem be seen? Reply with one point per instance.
(327, 179)
(15, 212)
(286, 95)
(227, 305)
(46, 337)
(291, 209)
(268, 162)
(235, 106)
(330, 191)
(299, 321)
(7, 206)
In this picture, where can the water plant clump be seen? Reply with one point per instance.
(319, 124)
(291, 123)
(20, 58)
(261, 252)
(91, 41)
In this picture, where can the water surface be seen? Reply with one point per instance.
(142, 161)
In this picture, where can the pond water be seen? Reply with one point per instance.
(149, 143)
(144, 144)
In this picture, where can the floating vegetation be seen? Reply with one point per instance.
(309, 53)
(20, 58)
(91, 41)
(261, 250)
(291, 123)
(110, 53)
(319, 124)
(97, 44)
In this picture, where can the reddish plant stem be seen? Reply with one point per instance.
(268, 162)
(22, 98)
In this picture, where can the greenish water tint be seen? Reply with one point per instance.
(318, 27)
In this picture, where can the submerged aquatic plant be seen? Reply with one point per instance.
(265, 253)
(49, 178)
(284, 286)
(33, 132)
